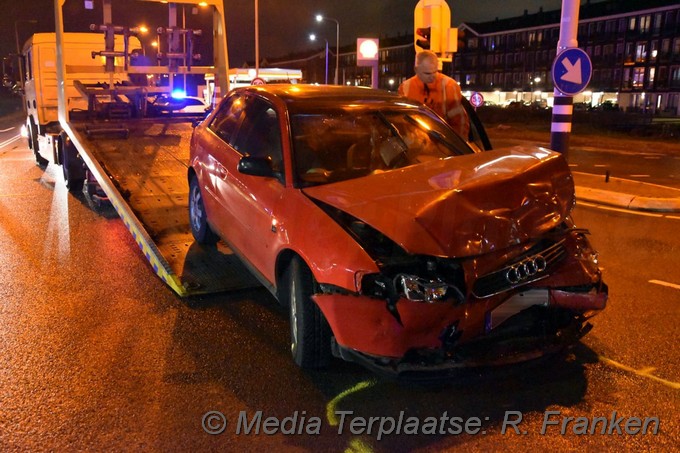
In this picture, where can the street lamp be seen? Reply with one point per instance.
(320, 18)
(312, 37)
(16, 37)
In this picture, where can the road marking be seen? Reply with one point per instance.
(10, 140)
(626, 211)
(652, 157)
(601, 165)
(573, 165)
(640, 176)
(8, 129)
(332, 404)
(644, 372)
(662, 283)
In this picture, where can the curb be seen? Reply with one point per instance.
(628, 201)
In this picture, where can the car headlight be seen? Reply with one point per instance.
(420, 289)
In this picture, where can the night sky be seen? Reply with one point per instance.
(284, 25)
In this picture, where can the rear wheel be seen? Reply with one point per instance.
(197, 216)
(71, 164)
(310, 335)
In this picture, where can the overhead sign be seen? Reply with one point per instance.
(477, 100)
(571, 71)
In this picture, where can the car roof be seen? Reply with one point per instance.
(307, 95)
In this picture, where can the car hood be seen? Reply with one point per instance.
(461, 206)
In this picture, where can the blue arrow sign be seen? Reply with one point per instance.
(571, 71)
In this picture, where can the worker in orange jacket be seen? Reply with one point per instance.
(439, 92)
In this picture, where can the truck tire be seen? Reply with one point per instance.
(198, 218)
(33, 145)
(310, 335)
(71, 164)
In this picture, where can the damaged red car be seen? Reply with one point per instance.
(394, 242)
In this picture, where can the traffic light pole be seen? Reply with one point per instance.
(563, 108)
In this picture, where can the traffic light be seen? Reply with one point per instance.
(422, 38)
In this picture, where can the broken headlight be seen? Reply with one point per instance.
(420, 289)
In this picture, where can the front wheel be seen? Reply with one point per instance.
(71, 165)
(198, 218)
(310, 335)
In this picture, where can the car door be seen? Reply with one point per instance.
(250, 201)
(212, 150)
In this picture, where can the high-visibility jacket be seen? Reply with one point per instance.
(443, 96)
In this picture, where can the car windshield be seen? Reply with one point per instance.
(331, 146)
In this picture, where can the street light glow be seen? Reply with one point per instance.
(320, 18)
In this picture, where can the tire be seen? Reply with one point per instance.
(310, 335)
(71, 164)
(198, 219)
(33, 144)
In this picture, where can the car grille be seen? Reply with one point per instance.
(534, 265)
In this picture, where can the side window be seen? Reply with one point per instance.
(228, 117)
(259, 134)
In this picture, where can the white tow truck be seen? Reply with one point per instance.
(88, 109)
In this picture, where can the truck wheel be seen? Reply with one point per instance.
(198, 218)
(310, 335)
(71, 164)
(33, 144)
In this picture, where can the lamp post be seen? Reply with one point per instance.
(312, 37)
(320, 18)
(16, 37)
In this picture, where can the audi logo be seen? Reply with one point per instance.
(525, 269)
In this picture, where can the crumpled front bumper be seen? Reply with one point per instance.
(434, 338)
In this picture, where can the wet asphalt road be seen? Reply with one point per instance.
(98, 354)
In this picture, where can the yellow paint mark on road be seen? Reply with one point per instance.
(332, 404)
(356, 445)
(644, 372)
(666, 284)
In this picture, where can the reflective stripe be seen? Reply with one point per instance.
(563, 109)
(560, 127)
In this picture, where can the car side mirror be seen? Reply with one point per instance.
(256, 166)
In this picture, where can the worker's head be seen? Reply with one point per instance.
(426, 66)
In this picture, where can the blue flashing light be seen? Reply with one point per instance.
(178, 94)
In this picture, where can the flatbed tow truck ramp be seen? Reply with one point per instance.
(144, 174)
(89, 110)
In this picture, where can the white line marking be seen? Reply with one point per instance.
(662, 283)
(640, 176)
(601, 165)
(8, 129)
(652, 157)
(10, 140)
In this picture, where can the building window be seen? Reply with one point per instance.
(641, 52)
(626, 78)
(650, 79)
(654, 51)
(676, 46)
(610, 27)
(638, 77)
(645, 23)
(631, 23)
(675, 76)
(665, 47)
(657, 22)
